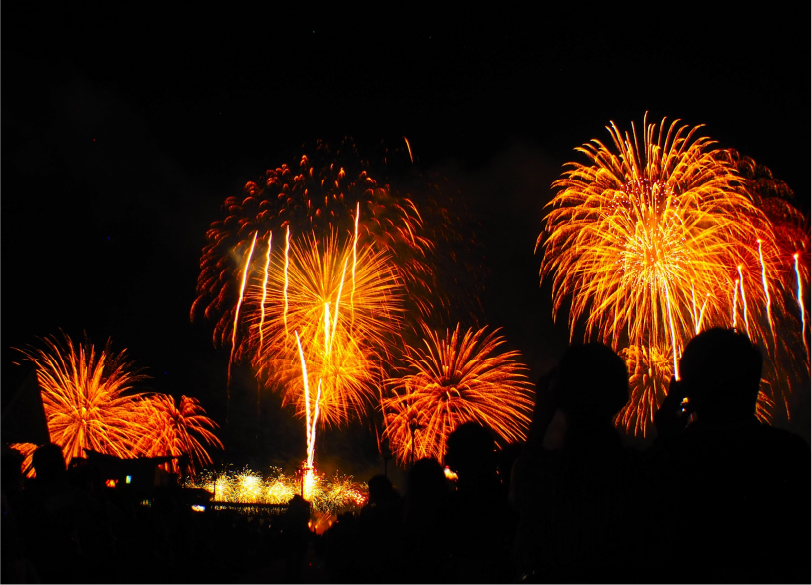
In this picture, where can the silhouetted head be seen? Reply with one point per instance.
(297, 501)
(720, 371)
(593, 383)
(427, 480)
(49, 464)
(470, 451)
(381, 490)
(83, 475)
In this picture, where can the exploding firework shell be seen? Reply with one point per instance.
(419, 225)
(319, 196)
(90, 403)
(345, 303)
(659, 238)
(87, 399)
(451, 380)
(178, 429)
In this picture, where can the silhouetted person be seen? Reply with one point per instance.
(48, 518)
(16, 568)
(574, 484)
(423, 523)
(341, 544)
(295, 537)
(735, 492)
(379, 530)
(480, 524)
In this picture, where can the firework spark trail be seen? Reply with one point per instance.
(338, 303)
(766, 292)
(265, 290)
(311, 453)
(744, 301)
(237, 314)
(306, 392)
(354, 256)
(801, 302)
(701, 314)
(409, 146)
(735, 301)
(287, 263)
(671, 327)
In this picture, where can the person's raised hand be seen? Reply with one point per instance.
(674, 412)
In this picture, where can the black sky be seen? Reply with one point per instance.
(124, 129)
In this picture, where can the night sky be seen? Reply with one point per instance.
(123, 130)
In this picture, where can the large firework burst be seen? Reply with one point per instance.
(327, 190)
(178, 429)
(343, 302)
(320, 194)
(451, 380)
(91, 403)
(656, 239)
(88, 398)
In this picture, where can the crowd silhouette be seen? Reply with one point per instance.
(718, 497)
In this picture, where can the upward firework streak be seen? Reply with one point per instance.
(237, 312)
(648, 227)
(264, 289)
(800, 299)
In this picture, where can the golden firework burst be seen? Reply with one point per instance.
(657, 238)
(344, 302)
(178, 429)
(88, 398)
(455, 378)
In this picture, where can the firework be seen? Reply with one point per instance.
(342, 305)
(178, 429)
(88, 398)
(331, 495)
(418, 225)
(650, 370)
(451, 380)
(326, 193)
(27, 451)
(649, 240)
(90, 403)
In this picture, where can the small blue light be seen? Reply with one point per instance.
(128, 479)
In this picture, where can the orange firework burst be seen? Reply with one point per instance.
(656, 240)
(87, 400)
(324, 192)
(419, 225)
(455, 379)
(344, 303)
(650, 370)
(178, 429)
(90, 403)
